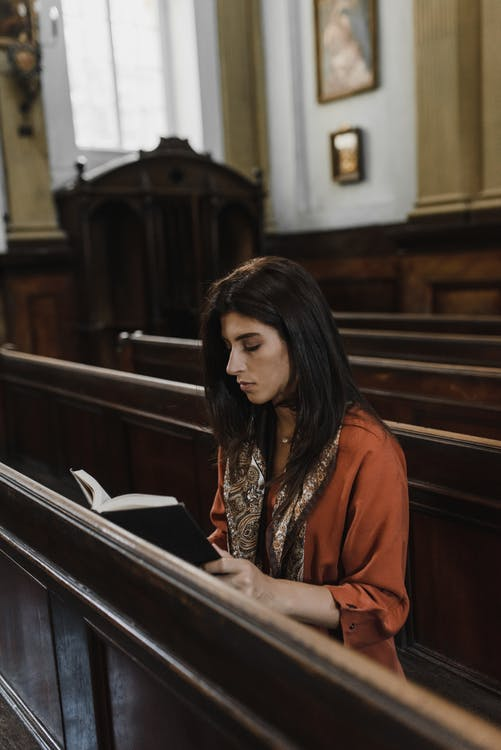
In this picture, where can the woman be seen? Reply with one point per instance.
(311, 510)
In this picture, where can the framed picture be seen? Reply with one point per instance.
(16, 22)
(345, 32)
(347, 155)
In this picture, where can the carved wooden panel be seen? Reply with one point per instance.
(467, 298)
(466, 283)
(146, 714)
(165, 461)
(41, 313)
(454, 572)
(116, 270)
(358, 283)
(26, 658)
(29, 424)
(82, 441)
(74, 669)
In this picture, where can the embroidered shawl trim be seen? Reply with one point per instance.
(244, 491)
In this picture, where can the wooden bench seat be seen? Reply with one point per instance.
(115, 643)
(141, 433)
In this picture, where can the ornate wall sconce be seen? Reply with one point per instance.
(18, 38)
(24, 58)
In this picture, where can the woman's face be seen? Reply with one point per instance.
(258, 358)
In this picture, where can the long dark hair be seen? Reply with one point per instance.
(282, 294)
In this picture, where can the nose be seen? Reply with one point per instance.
(235, 363)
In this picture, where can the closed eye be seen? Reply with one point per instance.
(252, 348)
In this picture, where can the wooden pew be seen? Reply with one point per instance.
(459, 398)
(140, 433)
(130, 431)
(115, 643)
(467, 349)
(454, 556)
(161, 356)
(483, 325)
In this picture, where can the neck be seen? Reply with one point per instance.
(286, 421)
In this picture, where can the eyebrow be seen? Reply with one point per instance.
(243, 336)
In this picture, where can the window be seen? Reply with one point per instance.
(116, 73)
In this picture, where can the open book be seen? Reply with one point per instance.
(158, 519)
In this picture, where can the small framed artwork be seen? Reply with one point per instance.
(347, 155)
(345, 32)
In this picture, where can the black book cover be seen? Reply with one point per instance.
(170, 527)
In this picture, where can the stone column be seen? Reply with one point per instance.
(489, 195)
(30, 208)
(242, 84)
(448, 44)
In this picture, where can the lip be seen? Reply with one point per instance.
(244, 386)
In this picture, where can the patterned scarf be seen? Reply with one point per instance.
(244, 492)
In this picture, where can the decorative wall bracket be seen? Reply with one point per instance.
(24, 59)
(19, 39)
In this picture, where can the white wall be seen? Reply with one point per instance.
(210, 77)
(56, 95)
(303, 194)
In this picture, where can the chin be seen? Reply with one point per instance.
(254, 398)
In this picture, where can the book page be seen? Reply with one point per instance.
(95, 494)
(101, 502)
(136, 500)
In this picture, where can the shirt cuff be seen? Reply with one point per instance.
(360, 627)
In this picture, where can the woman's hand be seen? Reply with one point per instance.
(303, 601)
(243, 576)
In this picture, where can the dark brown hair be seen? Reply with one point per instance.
(281, 294)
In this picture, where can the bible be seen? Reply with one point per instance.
(158, 519)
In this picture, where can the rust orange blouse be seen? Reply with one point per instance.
(356, 537)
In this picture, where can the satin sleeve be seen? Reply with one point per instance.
(371, 591)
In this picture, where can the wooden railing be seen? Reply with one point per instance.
(113, 643)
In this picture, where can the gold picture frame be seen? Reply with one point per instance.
(17, 22)
(346, 46)
(347, 155)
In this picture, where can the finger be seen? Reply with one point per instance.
(212, 567)
(224, 565)
(222, 552)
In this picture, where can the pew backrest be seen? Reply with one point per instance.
(141, 433)
(447, 348)
(488, 325)
(459, 398)
(132, 432)
(116, 643)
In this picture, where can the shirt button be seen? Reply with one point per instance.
(352, 626)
